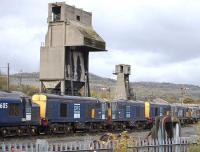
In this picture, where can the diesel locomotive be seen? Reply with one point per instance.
(64, 114)
(18, 115)
(54, 114)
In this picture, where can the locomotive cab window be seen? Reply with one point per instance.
(97, 105)
(14, 109)
(137, 111)
(63, 110)
(156, 111)
(128, 111)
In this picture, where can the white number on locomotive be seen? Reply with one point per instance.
(3, 105)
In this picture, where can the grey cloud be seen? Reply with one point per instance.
(172, 34)
(155, 38)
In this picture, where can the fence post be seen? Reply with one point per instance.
(31, 147)
(41, 145)
(178, 144)
(3, 147)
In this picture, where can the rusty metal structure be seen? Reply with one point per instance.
(64, 56)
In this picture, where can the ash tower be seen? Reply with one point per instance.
(123, 90)
(64, 56)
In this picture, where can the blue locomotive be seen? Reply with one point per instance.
(19, 115)
(53, 114)
(64, 114)
(128, 114)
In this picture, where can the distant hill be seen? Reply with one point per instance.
(168, 91)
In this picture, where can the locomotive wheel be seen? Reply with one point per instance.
(32, 131)
(55, 129)
(67, 129)
(4, 132)
(52, 130)
(19, 132)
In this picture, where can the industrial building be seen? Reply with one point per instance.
(64, 56)
(123, 90)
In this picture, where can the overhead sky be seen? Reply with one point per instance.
(159, 39)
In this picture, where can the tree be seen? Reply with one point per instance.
(3, 83)
(188, 100)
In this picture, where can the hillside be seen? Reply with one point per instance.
(168, 91)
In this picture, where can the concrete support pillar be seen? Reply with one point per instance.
(62, 87)
(121, 90)
(41, 87)
(122, 87)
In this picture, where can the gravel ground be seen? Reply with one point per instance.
(187, 131)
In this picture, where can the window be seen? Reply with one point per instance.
(78, 18)
(137, 111)
(156, 112)
(121, 69)
(104, 107)
(63, 110)
(56, 11)
(114, 110)
(77, 110)
(97, 106)
(14, 109)
(128, 111)
(129, 69)
(120, 106)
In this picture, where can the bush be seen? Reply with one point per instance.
(3, 83)
(27, 89)
(196, 148)
(188, 100)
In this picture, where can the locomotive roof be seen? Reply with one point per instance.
(35, 105)
(130, 101)
(13, 94)
(52, 96)
(159, 103)
(10, 99)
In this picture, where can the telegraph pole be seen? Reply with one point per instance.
(20, 77)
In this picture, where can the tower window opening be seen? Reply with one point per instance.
(121, 69)
(56, 11)
(129, 69)
(78, 18)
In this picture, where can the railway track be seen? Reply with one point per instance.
(187, 130)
